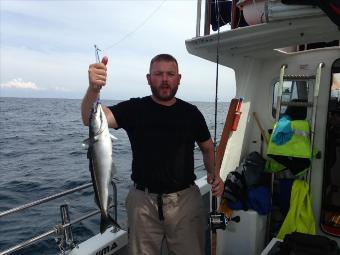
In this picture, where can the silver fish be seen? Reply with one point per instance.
(100, 157)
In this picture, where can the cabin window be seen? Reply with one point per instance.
(330, 211)
(292, 90)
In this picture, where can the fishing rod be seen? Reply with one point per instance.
(217, 218)
(96, 53)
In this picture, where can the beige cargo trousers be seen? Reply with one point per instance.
(183, 227)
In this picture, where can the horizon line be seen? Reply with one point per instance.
(106, 99)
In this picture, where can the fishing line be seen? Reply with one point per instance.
(217, 11)
(220, 16)
(138, 27)
(128, 34)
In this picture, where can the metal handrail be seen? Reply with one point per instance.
(198, 18)
(298, 77)
(206, 25)
(27, 243)
(55, 230)
(43, 200)
(58, 228)
(297, 104)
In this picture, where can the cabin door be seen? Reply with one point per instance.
(330, 211)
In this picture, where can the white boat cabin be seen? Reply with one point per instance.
(280, 54)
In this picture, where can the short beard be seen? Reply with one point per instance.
(157, 95)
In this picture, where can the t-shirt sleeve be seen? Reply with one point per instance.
(201, 128)
(124, 113)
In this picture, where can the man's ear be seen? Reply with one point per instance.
(148, 77)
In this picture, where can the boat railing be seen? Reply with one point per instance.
(62, 232)
(206, 16)
(249, 12)
(199, 17)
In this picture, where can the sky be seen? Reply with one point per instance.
(47, 46)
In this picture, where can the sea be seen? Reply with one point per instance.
(41, 154)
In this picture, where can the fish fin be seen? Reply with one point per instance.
(105, 222)
(114, 222)
(113, 137)
(85, 144)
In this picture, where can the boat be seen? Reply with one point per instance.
(279, 53)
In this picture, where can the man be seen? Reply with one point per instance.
(164, 202)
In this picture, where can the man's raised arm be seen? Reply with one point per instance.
(97, 79)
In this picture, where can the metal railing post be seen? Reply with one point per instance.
(65, 219)
(198, 18)
(207, 18)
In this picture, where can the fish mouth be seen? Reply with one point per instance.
(96, 117)
(95, 107)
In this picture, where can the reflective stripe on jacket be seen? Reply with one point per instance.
(299, 144)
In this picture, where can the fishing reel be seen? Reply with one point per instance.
(217, 220)
(220, 221)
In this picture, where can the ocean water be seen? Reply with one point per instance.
(41, 154)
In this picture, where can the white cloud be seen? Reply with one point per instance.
(20, 84)
(61, 89)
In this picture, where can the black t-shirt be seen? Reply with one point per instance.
(162, 140)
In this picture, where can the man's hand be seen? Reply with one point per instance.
(97, 78)
(217, 185)
(97, 75)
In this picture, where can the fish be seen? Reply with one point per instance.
(101, 163)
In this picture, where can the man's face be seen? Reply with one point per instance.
(164, 80)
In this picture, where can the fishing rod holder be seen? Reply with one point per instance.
(218, 220)
(65, 219)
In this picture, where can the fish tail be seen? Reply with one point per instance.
(105, 221)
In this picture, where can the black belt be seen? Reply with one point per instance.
(160, 194)
(163, 191)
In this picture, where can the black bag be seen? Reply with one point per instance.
(305, 244)
(246, 176)
(235, 188)
(253, 167)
